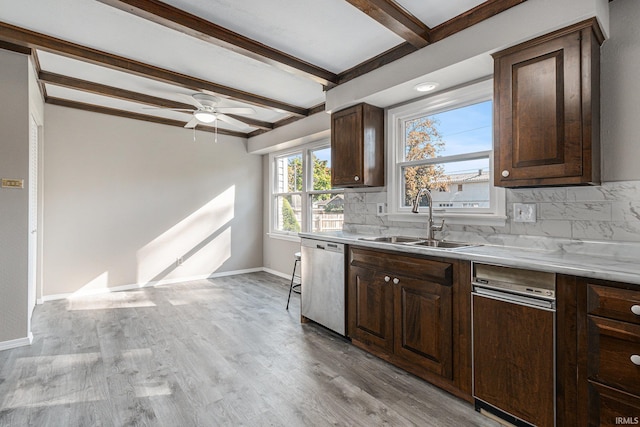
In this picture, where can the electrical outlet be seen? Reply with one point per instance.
(524, 212)
(380, 209)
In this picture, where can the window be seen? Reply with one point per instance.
(444, 143)
(301, 197)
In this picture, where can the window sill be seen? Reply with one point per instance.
(287, 237)
(491, 220)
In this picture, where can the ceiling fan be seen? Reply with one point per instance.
(207, 110)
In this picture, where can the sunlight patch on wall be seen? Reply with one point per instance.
(208, 259)
(98, 285)
(180, 246)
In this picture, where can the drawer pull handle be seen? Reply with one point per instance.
(396, 280)
(635, 309)
(387, 278)
(635, 359)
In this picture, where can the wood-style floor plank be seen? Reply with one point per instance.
(219, 352)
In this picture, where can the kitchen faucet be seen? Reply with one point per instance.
(430, 227)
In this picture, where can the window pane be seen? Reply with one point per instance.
(321, 160)
(462, 130)
(288, 213)
(464, 184)
(289, 173)
(327, 213)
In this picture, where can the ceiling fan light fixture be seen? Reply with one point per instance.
(205, 116)
(426, 86)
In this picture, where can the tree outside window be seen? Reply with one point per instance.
(303, 197)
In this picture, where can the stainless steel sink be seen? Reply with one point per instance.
(391, 239)
(416, 241)
(441, 244)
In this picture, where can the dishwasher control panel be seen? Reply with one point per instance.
(525, 282)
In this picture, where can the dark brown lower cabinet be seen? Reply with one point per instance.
(514, 359)
(422, 324)
(372, 299)
(608, 353)
(413, 312)
(612, 407)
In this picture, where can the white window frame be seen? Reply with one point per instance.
(460, 97)
(306, 194)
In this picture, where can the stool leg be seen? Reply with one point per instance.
(295, 265)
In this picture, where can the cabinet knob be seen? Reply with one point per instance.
(635, 359)
(396, 280)
(505, 173)
(387, 278)
(635, 309)
(356, 178)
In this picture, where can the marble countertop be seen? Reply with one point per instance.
(604, 266)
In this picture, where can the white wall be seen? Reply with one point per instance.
(14, 203)
(620, 88)
(124, 199)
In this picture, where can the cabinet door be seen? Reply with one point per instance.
(347, 155)
(538, 107)
(371, 308)
(609, 407)
(547, 109)
(513, 359)
(423, 324)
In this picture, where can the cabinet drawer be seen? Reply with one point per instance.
(615, 303)
(417, 268)
(611, 407)
(611, 347)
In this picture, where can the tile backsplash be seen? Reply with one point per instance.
(609, 212)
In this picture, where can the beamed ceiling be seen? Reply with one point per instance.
(142, 58)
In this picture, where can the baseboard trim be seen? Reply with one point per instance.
(56, 297)
(276, 273)
(20, 342)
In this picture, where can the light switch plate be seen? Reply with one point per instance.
(524, 212)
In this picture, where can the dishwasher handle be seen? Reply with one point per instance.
(513, 298)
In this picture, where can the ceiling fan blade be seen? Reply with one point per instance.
(231, 121)
(192, 123)
(189, 99)
(236, 110)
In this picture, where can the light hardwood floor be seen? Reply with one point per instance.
(219, 352)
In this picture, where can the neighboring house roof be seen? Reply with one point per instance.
(465, 177)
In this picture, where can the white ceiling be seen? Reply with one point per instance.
(331, 34)
(434, 13)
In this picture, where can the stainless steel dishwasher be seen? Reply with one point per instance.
(514, 324)
(323, 288)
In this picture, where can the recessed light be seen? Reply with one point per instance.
(426, 86)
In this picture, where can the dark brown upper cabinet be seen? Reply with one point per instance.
(547, 109)
(357, 147)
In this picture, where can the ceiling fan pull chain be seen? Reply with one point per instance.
(216, 140)
(194, 134)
